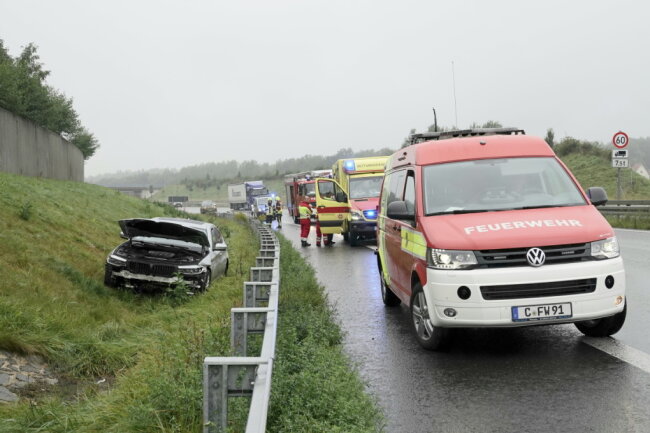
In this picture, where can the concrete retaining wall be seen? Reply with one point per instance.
(30, 150)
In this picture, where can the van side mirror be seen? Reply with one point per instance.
(597, 195)
(341, 197)
(397, 210)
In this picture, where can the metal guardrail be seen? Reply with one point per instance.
(626, 207)
(240, 375)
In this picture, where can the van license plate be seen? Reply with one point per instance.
(541, 312)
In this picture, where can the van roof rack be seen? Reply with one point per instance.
(426, 136)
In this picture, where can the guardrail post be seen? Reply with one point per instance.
(256, 292)
(246, 321)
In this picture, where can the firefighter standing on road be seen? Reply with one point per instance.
(305, 222)
(278, 212)
(270, 212)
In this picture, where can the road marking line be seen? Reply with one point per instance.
(621, 351)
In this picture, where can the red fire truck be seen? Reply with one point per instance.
(299, 187)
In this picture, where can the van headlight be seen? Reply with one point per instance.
(450, 259)
(605, 249)
(356, 216)
(191, 270)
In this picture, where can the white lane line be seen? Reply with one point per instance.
(621, 351)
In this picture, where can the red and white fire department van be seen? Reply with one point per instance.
(488, 228)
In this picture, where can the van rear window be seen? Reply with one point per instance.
(498, 184)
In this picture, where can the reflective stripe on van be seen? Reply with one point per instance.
(413, 242)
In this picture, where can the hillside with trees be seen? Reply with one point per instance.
(24, 91)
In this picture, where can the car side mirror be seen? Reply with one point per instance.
(597, 195)
(220, 247)
(341, 197)
(123, 236)
(397, 210)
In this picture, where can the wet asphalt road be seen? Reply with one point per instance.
(536, 379)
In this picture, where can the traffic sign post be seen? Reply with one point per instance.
(620, 140)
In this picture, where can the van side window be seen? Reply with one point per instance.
(385, 191)
(409, 193)
(396, 191)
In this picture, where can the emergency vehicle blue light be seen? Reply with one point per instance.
(349, 165)
(370, 214)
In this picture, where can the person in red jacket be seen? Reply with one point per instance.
(305, 222)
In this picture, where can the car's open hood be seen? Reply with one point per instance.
(168, 230)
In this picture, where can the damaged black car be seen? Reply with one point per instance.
(158, 250)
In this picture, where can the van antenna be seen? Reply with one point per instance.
(453, 77)
(435, 120)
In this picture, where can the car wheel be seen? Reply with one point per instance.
(603, 327)
(109, 281)
(390, 299)
(206, 281)
(430, 337)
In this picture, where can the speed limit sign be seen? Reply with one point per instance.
(620, 139)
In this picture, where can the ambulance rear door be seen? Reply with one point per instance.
(331, 205)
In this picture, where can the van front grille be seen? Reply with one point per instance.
(538, 290)
(517, 256)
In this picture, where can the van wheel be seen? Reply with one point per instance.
(603, 327)
(346, 237)
(352, 237)
(430, 337)
(390, 299)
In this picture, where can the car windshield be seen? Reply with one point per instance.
(498, 184)
(365, 187)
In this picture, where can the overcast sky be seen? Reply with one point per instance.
(169, 84)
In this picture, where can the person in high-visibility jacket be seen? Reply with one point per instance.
(270, 212)
(305, 222)
(278, 212)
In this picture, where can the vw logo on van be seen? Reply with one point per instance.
(535, 257)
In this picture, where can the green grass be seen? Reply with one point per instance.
(314, 389)
(592, 170)
(150, 348)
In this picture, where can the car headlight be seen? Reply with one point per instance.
(356, 216)
(116, 260)
(191, 270)
(605, 249)
(450, 259)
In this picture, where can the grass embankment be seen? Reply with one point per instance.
(593, 170)
(54, 237)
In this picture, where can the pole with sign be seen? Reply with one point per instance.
(619, 158)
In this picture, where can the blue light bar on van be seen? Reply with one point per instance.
(349, 165)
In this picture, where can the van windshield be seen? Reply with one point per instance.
(498, 184)
(365, 187)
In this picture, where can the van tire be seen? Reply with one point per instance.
(430, 337)
(603, 327)
(352, 237)
(390, 299)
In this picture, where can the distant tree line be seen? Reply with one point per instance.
(217, 173)
(23, 91)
